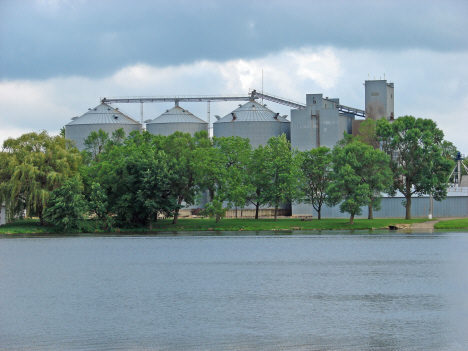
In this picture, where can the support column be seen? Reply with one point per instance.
(141, 112)
(209, 119)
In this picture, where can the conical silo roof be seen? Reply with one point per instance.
(102, 114)
(177, 115)
(252, 111)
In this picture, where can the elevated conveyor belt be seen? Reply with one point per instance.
(299, 106)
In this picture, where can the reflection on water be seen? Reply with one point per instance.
(235, 292)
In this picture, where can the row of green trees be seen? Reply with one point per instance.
(129, 180)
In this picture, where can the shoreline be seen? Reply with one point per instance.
(282, 226)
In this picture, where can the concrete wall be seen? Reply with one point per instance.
(379, 99)
(323, 113)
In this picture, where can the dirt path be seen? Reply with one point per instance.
(430, 224)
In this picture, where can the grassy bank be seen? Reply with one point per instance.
(229, 224)
(452, 224)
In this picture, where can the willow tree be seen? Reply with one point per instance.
(32, 166)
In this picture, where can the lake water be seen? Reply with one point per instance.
(326, 291)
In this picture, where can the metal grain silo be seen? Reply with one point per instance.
(252, 121)
(176, 119)
(102, 117)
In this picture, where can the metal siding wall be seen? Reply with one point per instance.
(302, 130)
(452, 207)
(329, 127)
(392, 207)
(79, 132)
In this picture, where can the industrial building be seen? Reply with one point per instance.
(176, 119)
(253, 121)
(103, 117)
(321, 121)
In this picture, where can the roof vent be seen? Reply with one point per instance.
(117, 108)
(108, 109)
(264, 105)
(240, 105)
(89, 109)
(233, 116)
(115, 116)
(217, 117)
(167, 110)
(276, 116)
(183, 110)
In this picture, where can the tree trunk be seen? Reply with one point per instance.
(408, 207)
(256, 210)
(176, 216)
(319, 214)
(217, 218)
(276, 212)
(150, 223)
(351, 219)
(236, 211)
(371, 212)
(41, 217)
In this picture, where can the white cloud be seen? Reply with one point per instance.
(427, 84)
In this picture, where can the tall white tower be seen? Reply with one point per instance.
(379, 99)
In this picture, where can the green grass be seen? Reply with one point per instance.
(452, 224)
(269, 224)
(26, 226)
(228, 224)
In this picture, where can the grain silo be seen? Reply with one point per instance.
(252, 121)
(102, 117)
(176, 119)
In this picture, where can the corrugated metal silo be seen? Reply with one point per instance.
(176, 119)
(252, 121)
(102, 117)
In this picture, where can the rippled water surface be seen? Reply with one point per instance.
(332, 291)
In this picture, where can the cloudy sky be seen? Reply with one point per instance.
(59, 57)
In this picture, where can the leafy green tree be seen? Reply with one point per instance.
(281, 171)
(223, 171)
(368, 133)
(67, 206)
(187, 152)
(95, 142)
(136, 177)
(448, 150)
(33, 165)
(418, 165)
(360, 174)
(316, 170)
(99, 206)
(256, 179)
